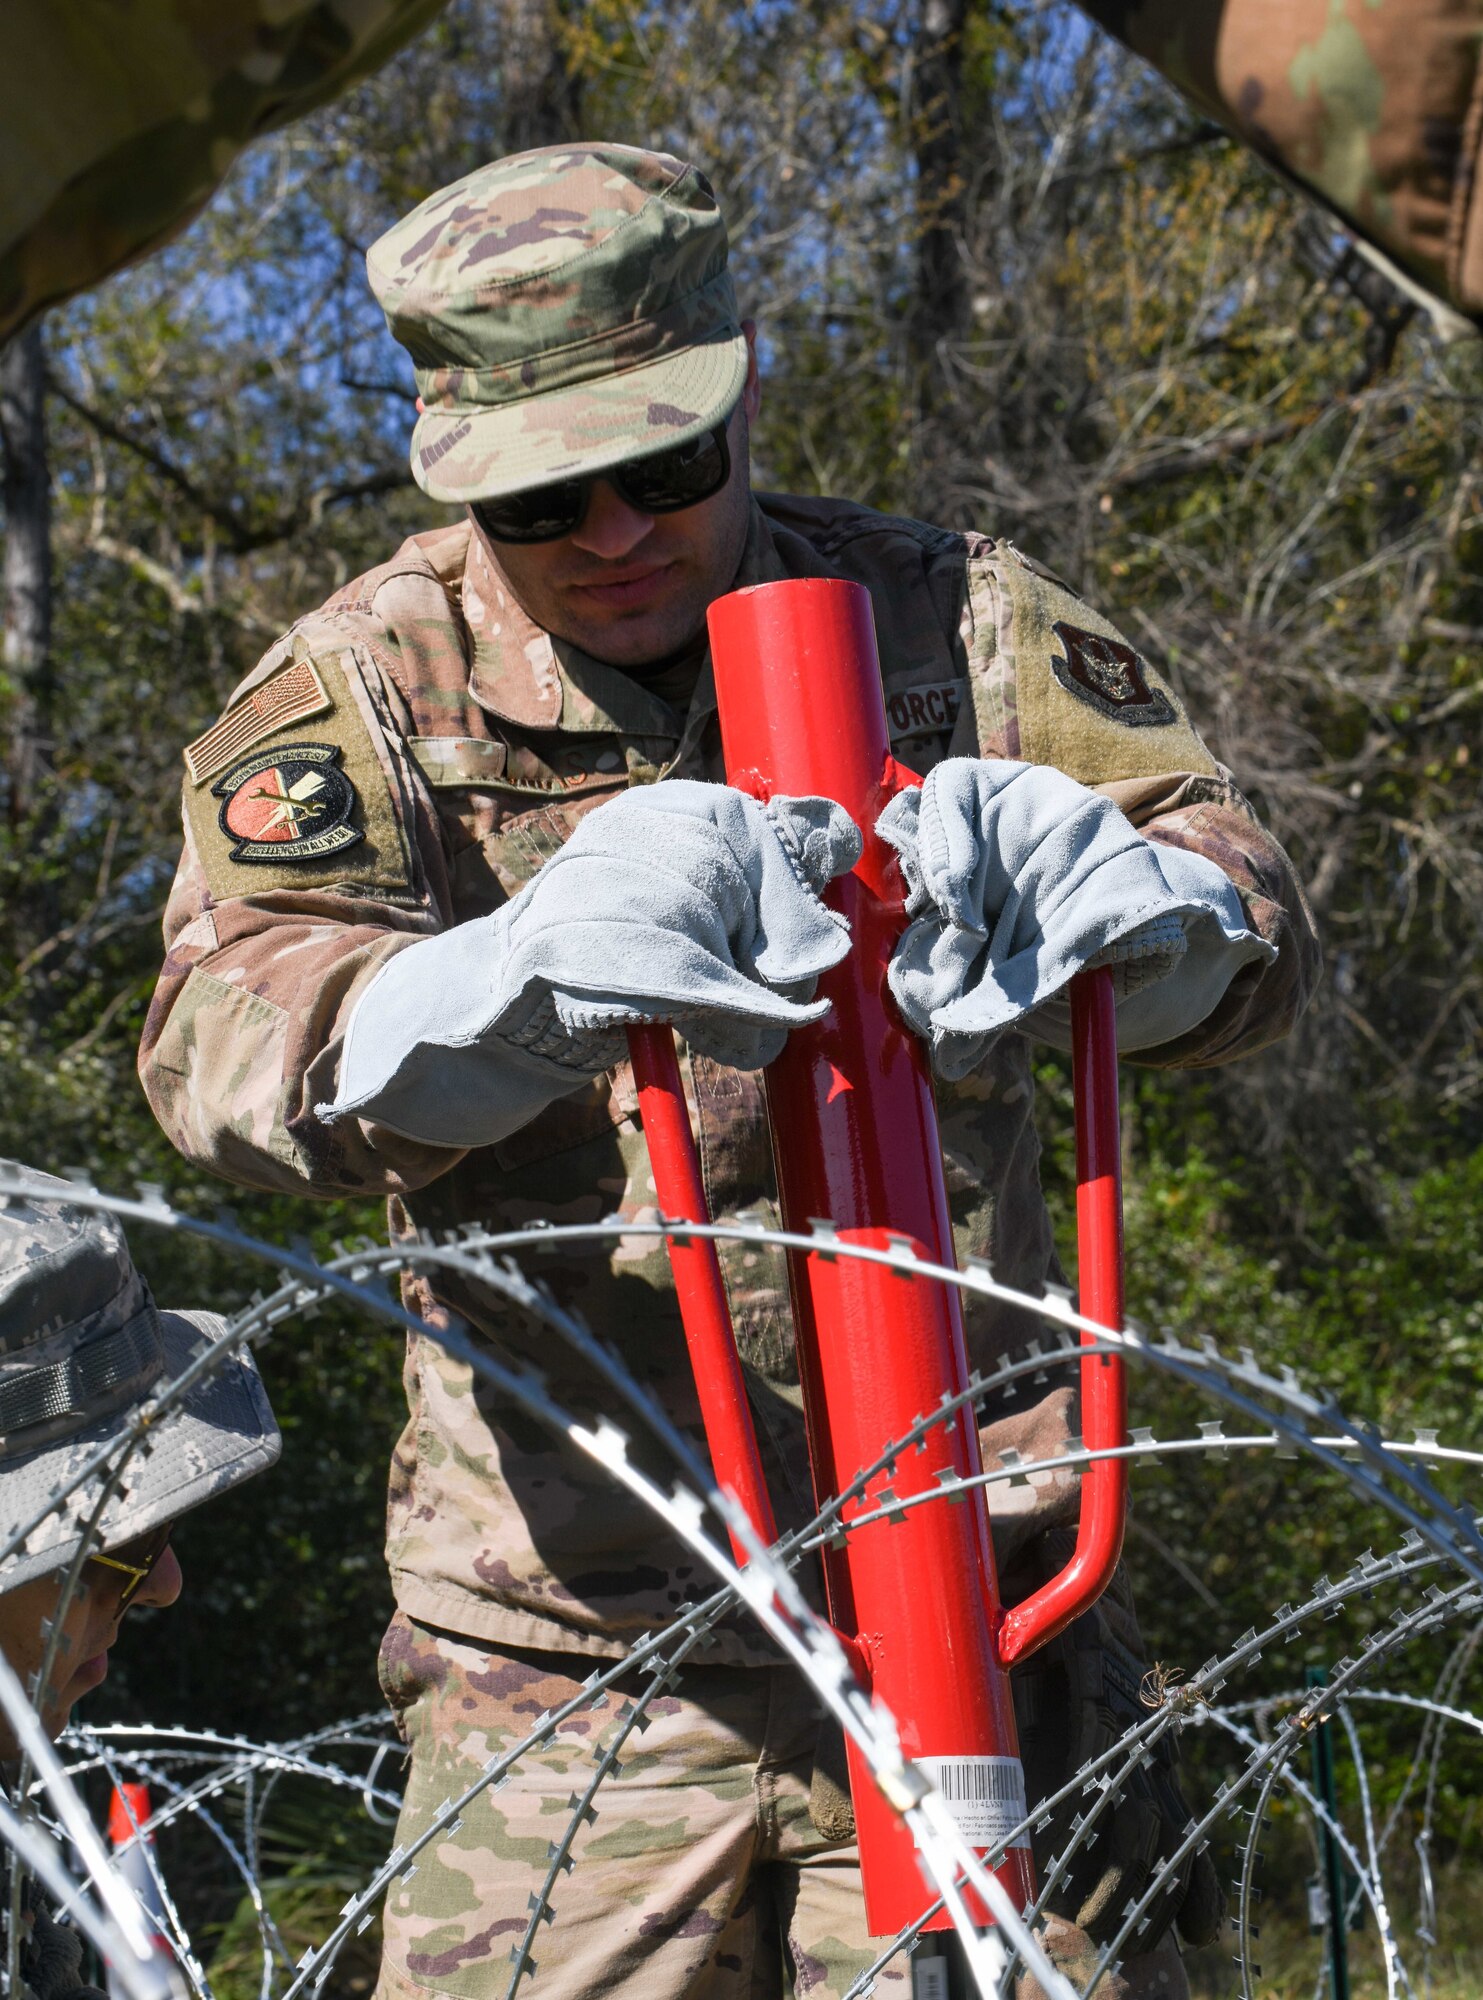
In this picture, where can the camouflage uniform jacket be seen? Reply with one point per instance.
(472, 743)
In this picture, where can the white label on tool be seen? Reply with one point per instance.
(929, 1979)
(985, 1795)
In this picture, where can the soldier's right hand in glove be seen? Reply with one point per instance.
(681, 902)
(1073, 1700)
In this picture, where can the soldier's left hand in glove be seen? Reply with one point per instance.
(681, 902)
(1073, 1700)
(1018, 878)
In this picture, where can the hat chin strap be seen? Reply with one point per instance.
(126, 1359)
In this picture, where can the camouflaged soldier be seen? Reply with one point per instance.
(82, 1347)
(1371, 106)
(114, 130)
(371, 821)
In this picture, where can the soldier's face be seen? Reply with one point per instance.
(89, 1627)
(632, 588)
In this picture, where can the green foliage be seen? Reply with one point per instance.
(1157, 372)
(318, 1846)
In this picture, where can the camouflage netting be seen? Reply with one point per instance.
(118, 118)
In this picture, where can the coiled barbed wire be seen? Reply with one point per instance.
(197, 1775)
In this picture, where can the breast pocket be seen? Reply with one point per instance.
(509, 847)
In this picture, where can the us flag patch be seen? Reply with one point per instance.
(291, 695)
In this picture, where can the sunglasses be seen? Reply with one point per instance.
(137, 1560)
(663, 483)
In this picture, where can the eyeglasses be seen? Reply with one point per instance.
(662, 483)
(137, 1560)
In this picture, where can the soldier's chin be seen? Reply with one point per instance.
(646, 637)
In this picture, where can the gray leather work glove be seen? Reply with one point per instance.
(1073, 1700)
(1018, 878)
(680, 902)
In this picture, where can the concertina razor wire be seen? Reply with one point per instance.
(224, 1785)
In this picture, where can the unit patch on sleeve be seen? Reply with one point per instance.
(1108, 674)
(1084, 700)
(290, 803)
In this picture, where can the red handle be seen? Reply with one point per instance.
(708, 1331)
(719, 1382)
(1104, 1402)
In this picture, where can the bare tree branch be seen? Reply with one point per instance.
(240, 536)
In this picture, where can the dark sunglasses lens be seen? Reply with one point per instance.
(542, 515)
(147, 1551)
(660, 484)
(680, 477)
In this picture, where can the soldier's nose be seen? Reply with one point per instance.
(163, 1584)
(611, 528)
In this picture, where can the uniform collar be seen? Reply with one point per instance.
(760, 563)
(522, 675)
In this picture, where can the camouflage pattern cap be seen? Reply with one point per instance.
(565, 309)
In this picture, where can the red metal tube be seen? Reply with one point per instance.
(720, 1385)
(1104, 1406)
(855, 1140)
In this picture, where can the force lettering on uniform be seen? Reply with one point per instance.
(924, 711)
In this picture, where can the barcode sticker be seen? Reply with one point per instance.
(929, 1979)
(985, 1795)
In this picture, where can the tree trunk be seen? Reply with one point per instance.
(942, 298)
(542, 97)
(26, 495)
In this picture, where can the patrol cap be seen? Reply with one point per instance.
(565, 309)
(81, 1344)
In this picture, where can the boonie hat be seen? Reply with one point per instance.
(565, 309)
(82, 1343)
